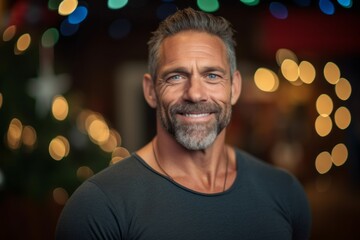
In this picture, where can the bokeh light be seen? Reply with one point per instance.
(323, 125)
(29, 136)
(54, 4)
(327, 7)
(84, 172)
(68, 29)
(9, 33)
(78, 15)
(50, 37)
(97, 128)
(112, 142)
(250, 2)
(342, 117)
(116, 4)
(323, 162)
(345, 3)
(266, 80)
(14, 132)
(283, 53)
(290, 70)
(22, 43)
(278, 10)
(307, 72)
(60, 108)
(60, 196)
(324, 105)
(339, 154)
(331, 73)
(343, 89)
(66, 7)
(119, 154)
(208, 5)
(59, 148)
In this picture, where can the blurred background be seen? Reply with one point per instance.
(71, 100)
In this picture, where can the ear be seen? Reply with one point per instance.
(235, 87)
(149, 90)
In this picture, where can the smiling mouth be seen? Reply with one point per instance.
(196, 115)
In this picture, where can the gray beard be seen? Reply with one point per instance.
(197, 136)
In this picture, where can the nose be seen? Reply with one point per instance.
(195, 90)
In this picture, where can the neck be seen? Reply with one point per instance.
(204, 171)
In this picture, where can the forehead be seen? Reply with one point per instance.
(187, 45)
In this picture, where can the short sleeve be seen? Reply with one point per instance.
(88, 214)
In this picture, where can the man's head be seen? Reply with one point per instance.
(189, 19)
(193, 81)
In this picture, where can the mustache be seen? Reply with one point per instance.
(188, 108)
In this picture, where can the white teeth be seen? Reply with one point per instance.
(197, 115)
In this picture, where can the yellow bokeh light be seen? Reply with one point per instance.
(343, 89)
(66, 7)
(266, 80)
(323, 162)
(283, 53)
(59, 148)
(323, 125)
(307, 72)
(81, 120)
(115, 160)
(84, 172)
(119, 154)
(331, 72)
(9, 33)
(290, 70)
(339, 154)
(14, 133)
(60, 195)
(29, 136)
(99, 131)
(342, 117)
(23, 42)
(112, 142)
(324, 105)
(60, 108)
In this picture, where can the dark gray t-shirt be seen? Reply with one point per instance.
(129, 200)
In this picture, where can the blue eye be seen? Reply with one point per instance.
(175, 77)
(212, 76)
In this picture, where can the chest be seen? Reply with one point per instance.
(236, 215)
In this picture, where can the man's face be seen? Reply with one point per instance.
(193, 88)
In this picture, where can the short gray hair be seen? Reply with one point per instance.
(190, 19)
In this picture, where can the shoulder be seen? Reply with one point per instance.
(259, 170)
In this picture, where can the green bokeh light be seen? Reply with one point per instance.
(50, 37)
(117, 4)
(250, 2)
(208, 5)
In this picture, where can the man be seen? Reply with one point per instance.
(187, 183)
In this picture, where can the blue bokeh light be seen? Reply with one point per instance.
(68, 29)
(278, 10)
(345, 3)
(327, 7)
(78, 15)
